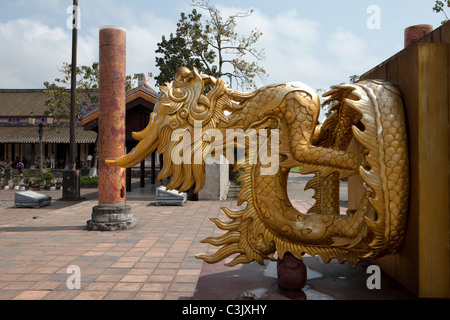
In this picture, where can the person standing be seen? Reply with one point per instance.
(19, 167)
(89, 160)
(52, 161)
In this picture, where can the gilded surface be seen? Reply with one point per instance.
(370, 111)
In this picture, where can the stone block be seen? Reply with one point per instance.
(31, 199)
(170, 197)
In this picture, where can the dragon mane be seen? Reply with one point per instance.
(188, 107)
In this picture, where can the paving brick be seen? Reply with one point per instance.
(123, 265)
(61, 295)
(10, 276)
(127, 286)
(182, 286)
(146, 295)
(45, 285)
(120, 295)
(165, 272)
(186, 278)
(114, 278)
(156, 286)
(31, 295)
(91, 295)
(161, 278)
(100, 286)
(18, 285)
(155, 260)
(9, 294)
(33, 277)
(134, 278)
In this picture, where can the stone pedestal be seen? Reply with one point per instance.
(110, 218)
(71, 185)
(112, 213)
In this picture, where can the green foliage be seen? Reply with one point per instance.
(6, 176)
(211, 45)
(27, 175)
(354, 78)
(175, 53)
(439, 7)
(48, 175)
(237, 175)
(89, 180)
(38, 178)
(16, 179)
(58, 103)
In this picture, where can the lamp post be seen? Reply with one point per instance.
(71, 177)
(32, 121)
(41, 132)
(73, 87)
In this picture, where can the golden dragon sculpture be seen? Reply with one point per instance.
(284, 118)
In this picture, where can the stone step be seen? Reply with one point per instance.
(233, 190)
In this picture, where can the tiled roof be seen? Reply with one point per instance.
(21, 102)
(143, 91)
(29, 134)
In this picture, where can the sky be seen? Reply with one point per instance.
(320, 43)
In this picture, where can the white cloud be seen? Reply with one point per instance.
(288, 41)
(349, 50)
(142, 40)
(141, 46)
(30, 51)
(298, 49)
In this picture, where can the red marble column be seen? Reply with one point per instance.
(111, 213)
(111, 129)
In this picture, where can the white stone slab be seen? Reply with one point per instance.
(31, 199)
(170, 197)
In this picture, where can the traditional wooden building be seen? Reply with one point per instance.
(140, 102)
(22, 113)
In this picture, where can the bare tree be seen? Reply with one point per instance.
(215, 47)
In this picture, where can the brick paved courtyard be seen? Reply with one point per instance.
(153, 261)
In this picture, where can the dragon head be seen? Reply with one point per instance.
(181, 107)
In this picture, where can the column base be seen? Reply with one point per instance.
(111, 218)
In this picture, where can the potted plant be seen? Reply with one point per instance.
(58, 183)
(16, 182)
(48, 177)
(52, 184)
(37, 182)
(27, 176)
(6, 180)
